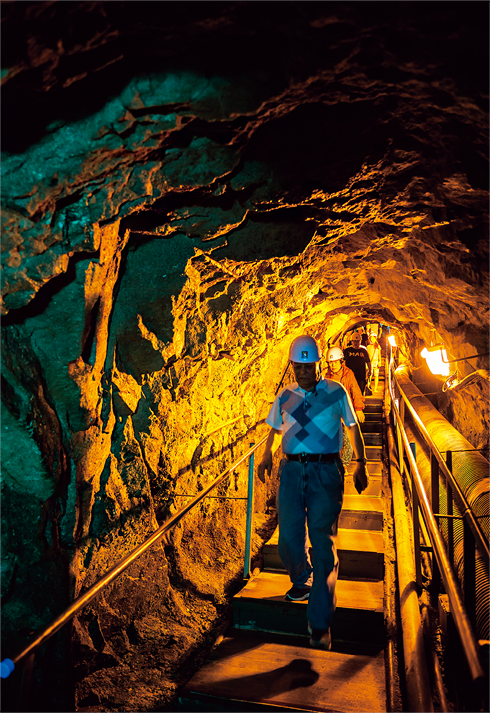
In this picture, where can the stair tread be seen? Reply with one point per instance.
(360, 540)
(362, 503)
(375, 468)
(371, 427)
(348, 539)
(373, 453)
(373, 488)
(351, 594)
(373, 439)
(247, 668)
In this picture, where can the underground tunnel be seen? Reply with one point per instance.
(186, 188)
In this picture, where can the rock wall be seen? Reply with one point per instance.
(186, 188)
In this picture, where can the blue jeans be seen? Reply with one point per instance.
(311, 494)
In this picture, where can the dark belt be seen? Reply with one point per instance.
(311, 457)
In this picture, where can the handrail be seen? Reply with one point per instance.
(118, 568)
(223, 425)
(461, 619)
(479, 536)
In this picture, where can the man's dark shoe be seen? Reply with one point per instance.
(320, 639)
(298, 594)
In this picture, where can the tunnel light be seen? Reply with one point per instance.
(436, 358)
(438, 362)
(454, 382)
(392, 340)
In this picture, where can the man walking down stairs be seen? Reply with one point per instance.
(307, 418)
(265, 660)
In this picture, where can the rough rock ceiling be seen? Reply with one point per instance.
(186, 187)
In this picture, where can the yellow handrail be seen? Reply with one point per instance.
(461, 619)
(118, 568)
(480, 539)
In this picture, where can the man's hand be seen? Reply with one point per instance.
(360, 477)
(264, 465)
(360, 416)
(271, 446)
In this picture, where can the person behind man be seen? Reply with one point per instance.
(357, 359)
(374, 351)
(307, 415)
(338, 371)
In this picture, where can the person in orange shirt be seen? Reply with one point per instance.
(338, 371)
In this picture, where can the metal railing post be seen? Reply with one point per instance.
(250, 512)
(399, 441)
(415, 521)
(434, 492)
(449, 511)
(469, 569)
(434, 483)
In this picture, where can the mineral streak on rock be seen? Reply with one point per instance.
(186, 188)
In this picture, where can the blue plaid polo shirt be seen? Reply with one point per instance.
(310, 421)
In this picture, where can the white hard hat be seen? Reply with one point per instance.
(334, 354)
(304, 350)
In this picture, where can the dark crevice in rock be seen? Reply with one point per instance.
(63, 203)
(89, 332)
(53, 287)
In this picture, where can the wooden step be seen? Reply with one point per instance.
(374, 453)
(375, 468)
(261, 606)
(373, 417)
(371, 426)
(372, 439)
(361, 512)
(373, 489)
(373, 404)
(360, 552)
(248, 673)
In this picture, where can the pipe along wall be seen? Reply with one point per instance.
(470, 470)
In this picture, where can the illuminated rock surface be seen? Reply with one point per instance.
(186, 188)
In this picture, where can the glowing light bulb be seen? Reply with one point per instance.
(392, 340)
(436, 358)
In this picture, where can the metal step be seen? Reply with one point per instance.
(360, 552)
(250, 673)
(261, 606)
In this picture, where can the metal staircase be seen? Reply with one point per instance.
(265, 661)
(380, 660)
